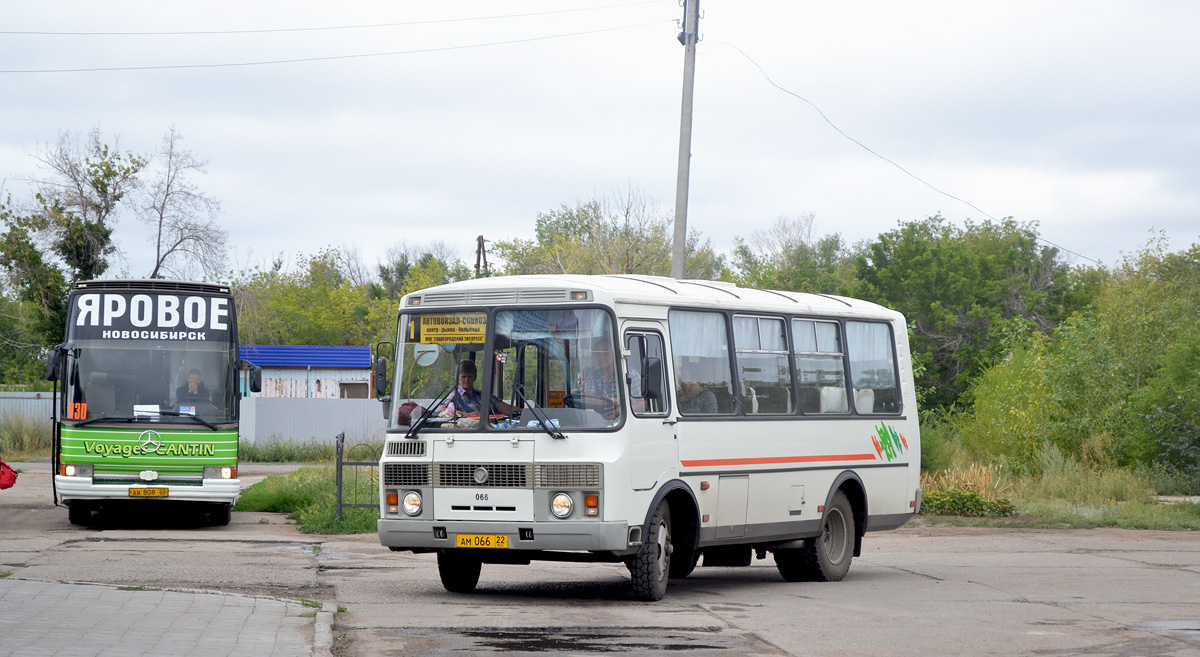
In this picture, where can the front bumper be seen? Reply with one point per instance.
(589, 536)
(212, 490)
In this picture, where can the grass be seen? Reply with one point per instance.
(309, 496)
(287, 451)
(1064, 494)
(23, 438)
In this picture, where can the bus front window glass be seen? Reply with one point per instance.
(150, 381)
(700, 353)
(872, 368)
(439, 369)
(763, 369)
(819, 366)
(565, 363)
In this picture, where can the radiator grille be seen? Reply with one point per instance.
(568, 475)
(406, 448)
(499, 475)
(406, 474)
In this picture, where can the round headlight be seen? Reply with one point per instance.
(561, 505)
(412, 503)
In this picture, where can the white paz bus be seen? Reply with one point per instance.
(656, 422)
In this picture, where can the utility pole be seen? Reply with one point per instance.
(688, 37)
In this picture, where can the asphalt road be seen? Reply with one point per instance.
(923, 591)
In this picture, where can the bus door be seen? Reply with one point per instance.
(653, 449)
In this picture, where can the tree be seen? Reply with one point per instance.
(182, 218)
(969, 293)
(627, 234)
(79, 199)
(787, 256)
(409, 267)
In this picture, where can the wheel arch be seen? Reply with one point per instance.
(852, 487)
(685, 513)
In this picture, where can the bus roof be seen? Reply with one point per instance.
(637, 289)
(152, 285)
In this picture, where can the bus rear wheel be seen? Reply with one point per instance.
(650, 566)
(825, 557)
(459, 571)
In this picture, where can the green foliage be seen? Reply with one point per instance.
(968, 292)
(958, 502)
(310, 496)
(1166, 423)
(314, 305)
(788, 257)
(629, 235)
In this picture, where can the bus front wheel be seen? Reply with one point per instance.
(459, 571)
(79, 513)
(825, 557)
(650, 567)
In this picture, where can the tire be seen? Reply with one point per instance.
(459, 571)
(650, 567)
(79, 513)
(683, 562)
(827, 556)
(220, 515)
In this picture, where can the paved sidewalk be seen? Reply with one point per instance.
(82, 620)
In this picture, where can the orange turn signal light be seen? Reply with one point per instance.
(393, 498)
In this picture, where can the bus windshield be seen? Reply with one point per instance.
(554, 367)
(152, 382)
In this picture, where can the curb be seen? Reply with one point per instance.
(323, 630)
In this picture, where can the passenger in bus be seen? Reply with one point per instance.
(465, 399)
(194, 388)
(693, 397)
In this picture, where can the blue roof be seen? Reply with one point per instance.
(306, 356)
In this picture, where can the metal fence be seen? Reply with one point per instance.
(34, 405)
(367, 458)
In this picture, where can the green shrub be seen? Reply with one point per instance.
(958, 502)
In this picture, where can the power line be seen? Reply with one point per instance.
(885, 159)
(297, 60)
(330, 27)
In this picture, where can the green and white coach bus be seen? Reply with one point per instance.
(148, 408)
(648, 421)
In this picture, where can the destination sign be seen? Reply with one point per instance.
(448, 329)
(149, 316)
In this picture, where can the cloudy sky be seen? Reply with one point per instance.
(416, 122)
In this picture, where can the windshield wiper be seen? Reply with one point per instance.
(137, 418)
(415, 425)
(197, 418)
(537, 412)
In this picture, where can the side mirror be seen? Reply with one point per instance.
(54, 360)
(255, 378)
(53, 365)
(380, 377)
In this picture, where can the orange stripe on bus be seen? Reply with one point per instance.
(779, 459)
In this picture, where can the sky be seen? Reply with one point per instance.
(405, 122)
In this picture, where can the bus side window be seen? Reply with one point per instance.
(646, 376)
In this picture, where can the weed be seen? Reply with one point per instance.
(309, 495)
(24, 438)
(3, 575)
(310, 603)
